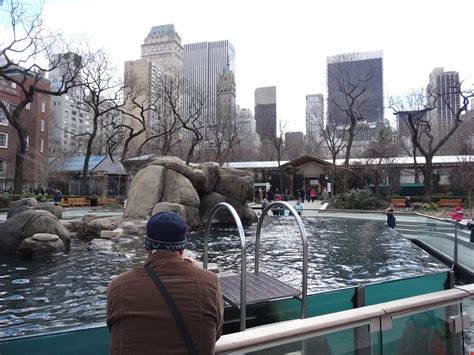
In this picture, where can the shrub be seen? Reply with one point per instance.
(355, 200)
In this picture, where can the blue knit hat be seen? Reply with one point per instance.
(166, 231)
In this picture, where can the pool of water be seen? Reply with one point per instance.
(70, 289)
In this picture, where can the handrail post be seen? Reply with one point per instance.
(455, 256)
(243, 262)
(304, 291)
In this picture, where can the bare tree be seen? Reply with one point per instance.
(349, 98)
(26, 57)
(422, 125)
(102, 95)
(277, 143)
(224, 134)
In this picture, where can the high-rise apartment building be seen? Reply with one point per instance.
(225, 97)
(314, 116)
(203, 63)
(443, 93)
(358, 77)
(69, 115)
(246, 124)
(265, 111)
(163, 47)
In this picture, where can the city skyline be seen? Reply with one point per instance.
(289, 48)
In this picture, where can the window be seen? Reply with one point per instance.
(3, 118)
(27, 143)
(41, 145)
(43, 107)
(42, 125)
(3, 140)
(3, 168)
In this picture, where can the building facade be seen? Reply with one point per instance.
(294, 144)
(443, 94)
(358, 76)
(266, 111)
(225, 97)
(35, 117)
(203, 63)
(314, 116)
(163, 47)
(247, 129)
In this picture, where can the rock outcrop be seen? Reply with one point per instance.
(40, 245)
(25, 225)
(27, 204)
(168, 184)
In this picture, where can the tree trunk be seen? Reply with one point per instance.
(428, 181)
(345, 183)
(19, 161)
(85, 170)
(415, 165)
(191, 151)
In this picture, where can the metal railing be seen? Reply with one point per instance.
(304, 291)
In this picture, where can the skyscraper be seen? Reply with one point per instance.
(356, 77)
(163, 47)
(203, 63)
(265, 111)
(443, 92)
(247, 129)
(314, 116)
(225, 97)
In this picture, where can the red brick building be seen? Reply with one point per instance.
(36, 119)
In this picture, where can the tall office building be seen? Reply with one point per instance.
(314, 116)
(361, 74)
(443, 92)
(163, 47)
(294, 144)
(203, 63)
(265, 111)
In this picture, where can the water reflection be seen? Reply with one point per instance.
(70, 289)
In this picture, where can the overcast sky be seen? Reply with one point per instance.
(285, 43)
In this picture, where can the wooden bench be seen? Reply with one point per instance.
(78, 201)
(106, 201)
(64, 203)
(449, 202)
(397, 202)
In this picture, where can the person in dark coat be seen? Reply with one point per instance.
(390, 217)
(470, 226)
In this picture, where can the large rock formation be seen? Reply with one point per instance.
(27, 204)
(168, 184)
(25, 225)
(40, 245)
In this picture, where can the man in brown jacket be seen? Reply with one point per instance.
(139, 317)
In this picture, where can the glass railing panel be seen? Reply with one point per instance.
(356, 340)
(468, 307)
(426, 332)
(330, 302)
(397, 289)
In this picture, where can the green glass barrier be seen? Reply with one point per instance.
(398, 289)
(425, 332)
(91, 341)
(338, 342)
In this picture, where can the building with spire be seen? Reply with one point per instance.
(225, 97)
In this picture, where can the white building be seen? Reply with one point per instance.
(247, 128)
(163, 47)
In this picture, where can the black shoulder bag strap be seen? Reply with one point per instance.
(174, 311)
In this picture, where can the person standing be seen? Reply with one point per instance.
(299, 208)
(314, 194)
(169, 306)
(391, 220)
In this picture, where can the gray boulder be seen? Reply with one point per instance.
(178, 189)
(208, 201)
(25, 225)
(96, 226)
(51, 207)
(30, 201)
(175, 164)
(78, 225)
(211, 171)
(146, 190)
(189, 214)
(135, 228)
(44, 206)
(40, 245)
(236, 187)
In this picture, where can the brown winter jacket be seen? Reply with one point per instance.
(139, 319)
